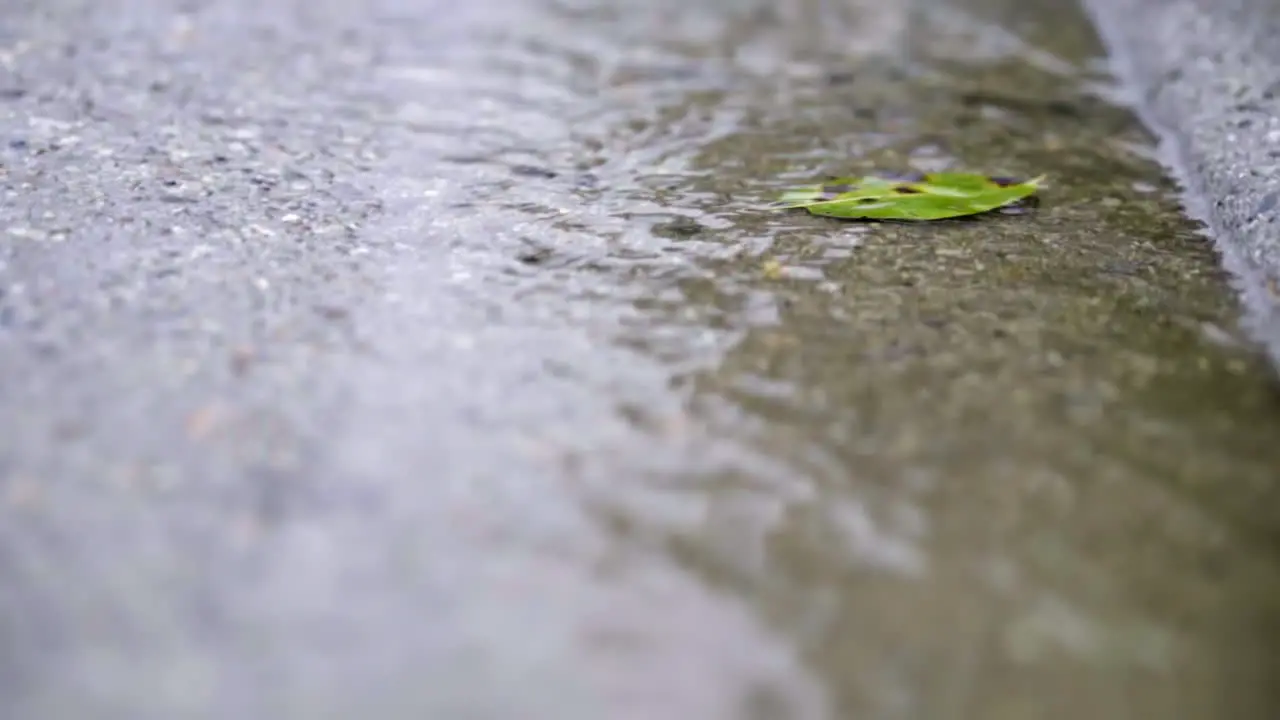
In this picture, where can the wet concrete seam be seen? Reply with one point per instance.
(1207, 80)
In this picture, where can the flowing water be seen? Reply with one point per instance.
(614, 442)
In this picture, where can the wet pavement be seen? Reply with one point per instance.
(421, 359)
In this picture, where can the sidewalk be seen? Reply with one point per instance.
(1206, 74)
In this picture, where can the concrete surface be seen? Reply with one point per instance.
(1207, 79)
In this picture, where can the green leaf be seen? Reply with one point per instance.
(935, 196)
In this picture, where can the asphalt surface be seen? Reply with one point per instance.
(1206, 77)
(286, 429)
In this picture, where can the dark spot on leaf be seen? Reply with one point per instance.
(906, 190)
(910, 176)
(1004, 181)
(837, 189)
(867, 200)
